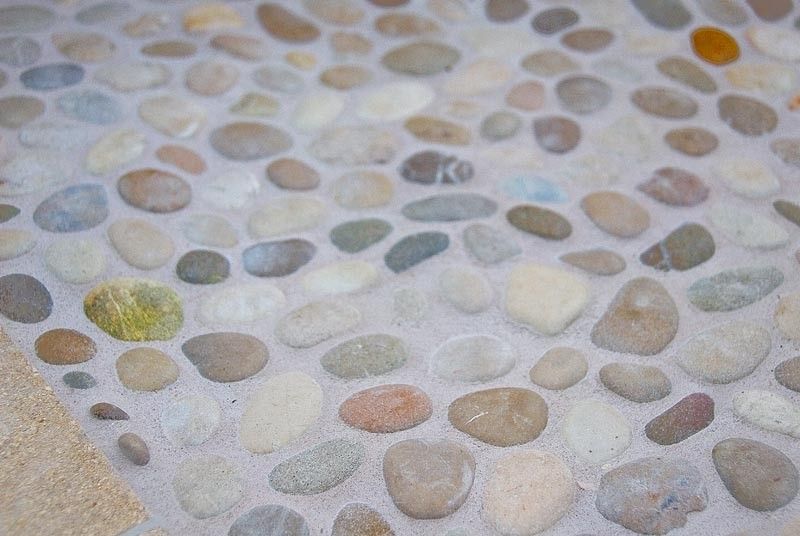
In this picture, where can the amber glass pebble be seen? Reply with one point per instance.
(714, 45)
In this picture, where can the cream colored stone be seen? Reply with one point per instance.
(140, 243)
(232, 190)
(317, 110)
(240, 304)
(596, 431)
(174, 116)
(75, 260)
(466, 289)
(769, 411)
(15, 243)
(286, 215)
(481, 76)
(362, 189)
(115, 150)
(340, 277)
(768, 77)
(211, 17)
(747, 177)
(395, 100)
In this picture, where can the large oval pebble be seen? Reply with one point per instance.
(386, 408)
(725, 353)
(278, 258)
(473, 358)
(365, 356)
(241, 303)
(316, 322)
(226, 356)
(318, 469)
(76, 208)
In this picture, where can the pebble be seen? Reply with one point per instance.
(434, 130)
(641, 319)
(202, 267)
(488, 244)
(362, 189)
(746, 115)
(787, 373)
(405, 25)
(688, 416)
(173, 116)
(154, 190)
(733, 289)
(583, 94)
(556, 134)
(675, 187)
(181, 157)
(75, 260)
(687, 73)
(241, 46)
(787, 315)
(553, 20)
(15, 243)
(725, 12)
(652, 495)
(84, 47)
(559, 368)
(102, 12)
(664, 14)
(758, 476)
(421, 58)
(355, 146)
(502, 417)
(386, 408)
(291, 174)
(428, 478)
(52, 76)
(357, 519)
(535, 189)
(114, 150)
(225, 356)
(409, 305)
(587, 40)
(747, 229)
(207, 485)
(340, 277)
(209, 230)
(241, 303)
(51, 135)
(766, 77)
(637, 383)
(285, 25)
(286, 215)
(528, 492)
(90, 106)
(748, 177)
(344, 77)
(684, 248)
(358, 235)
(616, 213)
(170, 49)
(473, 359)
(63, 346)
(134, 448)
(595, 431)
(77, 379)
(350, 44)
(500, 126)
(597, 261)
(232, 190)
(450, 207)
(317, 110)
(433, 167)
(278, 258)
(506, 10)
(76, 208)
(769, 411)
(191, 420)
(414, 249)
(316, 322)
(108, 412)
(318, 469)
(22, 18)
(249, 141)
(210, 78)
(365, 356)
(18, 110)
(278, 79)
(24, 299)
(775, 42)
(539, 221)
(8, 212)
(148, 24)
(548, 62)
(665, 102)
(146, 369)
(211, 17)
(337, 12)
(526, 96)
(466, 289)
(140, 243)
(726, 352)
(480, 76)
(131, 309)
(771, 10)
(30, 171)
(692, 141)
(269, 517)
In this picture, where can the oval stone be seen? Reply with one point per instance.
(278, 258)
(91, 106)
(173, 49)
(318, 469)
(355, 146)
(340, 277)
(684, 248)
(747, 228)
(105, 411)
(134, 448)
(191, 420)
(489, 245)
(434, 130)
(413, 249)
(556, 134)
(725, 353)
(675, 187)
(285, 25)
(559, 368)
(207, 485)
(583, 94)
(316, 322)
(664, 102)
(769, 411)
(450, 207)
(362, 189)
(637, 383)
(692, 141)
(596, 431)
(62, 346)
(690, 415)
(209, 78)
(18, 51)
(202, 267)
(733, 289)
(18, 110)
(553, 20)
(292, 174)
(365, 356)
(114, 150)
(539, 221)
(616, 213)
(687, 73)
(77, 379)
(746, 115)
(154, 190)
(25, 18)
(225, 356)
(500, 126)
(358, 235)
(274, 518)
(548, 62)
(75, 260)
(588, 40)
(140, 243)
(502, 417)
(473, 359)
(664, 14)
(244, 141)
(241, 303)
(23, 298)
(172, 115)
(209, 230)
(128, 76)
(787, 373)
(146, 369)
(386, 408)
(597, 261)
(357, 519)
(421, 58)
(433, 167)
(76, 208)
(52, 76)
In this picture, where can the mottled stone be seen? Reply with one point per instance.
(664, 14)
(687, 73)
(587, 40)
(414, 249)
(24, 299)
(596, 261)
(733, 289)
(583, 94)
(747, 177)
(316, 322)
(210, 17)
(559, 368)
(357, 235)
(450, 207)
(725, 353)
(506, 10)
(357, 519)
(684, 248)
(114, 150)
(637, 383)
(597, 432)
(146, 369)
(355, 145)
(291, 174)
(548, 62)
(435, 130)
(539, 221)
(278, 258)
(554, 20)
(362, 189)
(787, 149)
(285, 25)
(270, 520)
(688, 416)
(234, 189)
(241, 46)
(76, 208)
(665, 102)
(18, 110)
(433, 167)
(692, 141)
(191, 420)
(154, 190)
(106, 411)
(84, 47)
(500, 126)
(210, 78)
(226, 356)
(727, 12)
(75, 260)
(77, 379)
(675, 187)
(769, 411)
(747, 229)
(249, 141)
(207, 485)
(746, 115)
(172, 115)
(365, 356)
(318, 469)
(556, 134)
(787, 373)
(15, 243)
(473, 359)
(787, 315)
(405, 25)
(63, 346)
(90, 106)
(489, 245)
(134, 448)
(202, 267)
(386, 408)
(52, 76)
(547, 299)
(30, 171)
(140, 243)
(209, 230)
(25, 18)
(422, 58)
(503, 417)
(241, 303)
(317, 109)
(340, 277)
(278, 79)
(616, 213)
(8, 212)
(181, 157)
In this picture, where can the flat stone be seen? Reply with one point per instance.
(747, 229)
(280, 411)
(395, 100)
(746, 115)
(758, 476)
(62, 346)
(665, 102)
(191, 420)
(365, 356)
(84, 47)
(90, 106)
(433, 167)
(146, 369)
(691, 141)
(17, 111)
(33, 170)
(769, 411)
(450, 207)
(651, 495)
(15, 243)
(466, 289)
(129, 76)
(210, 78)
(210, 17)
(641, 319)
(684, 248)
(421, 58)
(181, 157)
(226, 356)
(232, 190)
(173, 116)
(583, 94)
(75, 260)
(787, 315)
(207, 485)
(285, 25)
(344, 77)
(506, 10)
(8, 212)
(134, 448)
(105, 411)
(500, 126)
(479, 77)
(775, 41)
(132, 309)
(414, 249)
(103, 12)
(362, 189)
(316, 322)
(787, 373)
(241, 303)
(52, 76)
(688, 416)
(77, 379)
(358, 235)
(527, 493)
(357, 519)
(316, 110)
(587, 40)
(146, 25)
(154, 190)
(733, 289)
(386, 408)
(687, 73)
(539, 221)
(270, 519)
(170, 49)
(241, 46)
(340, 277)
(489, 245)
(787, 149)
(286, 215)
(771, 10)
(548, 62)
(278, 79)
(24, 299)
(435, 130)
(526, 96)
(553, 20)
(765, 77)
(596, 261)
(725, 353)
(350, 44)
(22, 18)
(140, 243)
(114, 150)
(727, 12)
(637, 383)
(244, 141)
(616, 213)
(291, 174)
(556, 134)
(428, 479)
(338, 12)
(664, 14)
(209, 230)
(355, 146)
(278, 258)
(747, 177)
(473, 359)
(76, 208)
(675, 187)
(318, 469)
(559, 368)
(503, 417)
(595, 431)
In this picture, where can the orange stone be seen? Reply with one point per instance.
(386, 408)
(714, 45)
(181, 157)
(62, 346)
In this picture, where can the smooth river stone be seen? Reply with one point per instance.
(466, 289)
(316, 110)
(181, 157)
(277, 520)
(405, 25)
(90, 106)
(286, 215)
(651, 495)
(172, 115)
(758, 476)
(207, 485)
(548, 62)
(433, 167)
(527, 493)
(202, 267)
(500, 126)
(690, 415)
(554, 20)
(240, 303)
(637, 383)
(211, 17)
(503, 417)
(365, 356)
(559, 368)
(506, 10)
(641, 319)
(787, 373)
(556, 134)
(473, 359)
(526, 96)
(747, 177)
(191, 420)
(108, 412)
(358, 519)
(787, 149)
(140, 243)
(692, 141)
(434, 130)
(362, 189)
(241, 46)
(746, 115)
(675, 187)
(210, 78)
(77, 379)
(23, 18)
(134, 448)
(209, 230)
(414, 249)
(769, 411)
(278, 79)
(727, 12)
(684, 248)
(146, 369)
(170, 49)
(787, 315)
(725, 353)
(244, 141)
(316, 322)
(355, 146)
(386, 408)
(771, 10)
(318, 469)
(489, 245)
(450, 207)
(114, 150)
(29, 171)
(84, 47)
(733, 289)
(583, 94)
(234, 189)
(16, 111)
(765, 77)
(595, 431)
(75, 260)
(154, 190)
(131, 309)
(340, 277)
(616, 213)
(8, 212)
(73, 209)
(395, 100)
(62, 346)
(747, 229)
(664, 14)
(664, 102)
(479, 77)
(428, 478)
(226, 356)
(539, 221)
(15, 243)
(285, 25)
(291, 174)
(421, 58)
(52, 76)
(587, 40)
(278, 258)
(596, 261)
(687, 73)
(358, 235)
(545, 298)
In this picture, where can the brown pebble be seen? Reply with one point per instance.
(692, 141)
(539, 221)
(527, 96)
(181, 157)
(154, 190)
(405, 25)
(588, 39)
(556, 134)
(506, 10)
(597, 261)
(291, 174)
(747, 116)
(345, 76)
(134, 448)
(285, 25)
(350, 43)
(62, 346)
(108, 412)
(170, 49)
(435, 130)
(690, 415)
(788, 373)
(616, 213)
(676, 187)
(386, 408)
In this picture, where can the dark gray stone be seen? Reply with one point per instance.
(278, 258)
(24, 299)
(318, 469)
(413, 249)
(270, 520)
(52, 76)
(358, 235)
(203, 267)
(79, 380)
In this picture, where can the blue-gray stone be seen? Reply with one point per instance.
(357, 235)
(318, 469)
(102, 12)
(19, 51)
(7, 212)
(278, 258)
(79, 380)
(52, 76)
(270, 520)
(664, 14)
(489, 245)
(450, 207)
(72, 209)
(25, 19)
(90, 106)
(413, 249)
(733, 289)
(534, 189)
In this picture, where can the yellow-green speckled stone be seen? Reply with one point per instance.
(132, 309)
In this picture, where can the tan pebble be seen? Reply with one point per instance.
(181, 157)
(302, 60)
(211, 17)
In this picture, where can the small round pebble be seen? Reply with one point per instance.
(106, 411)
(140, 243)
(768, 411)
(76, 208)
(596, 431)
(692, 141)
(362, 189)
(684, 248)
(675, 187)
(134, 448)
(597, 261)
(52, 76)
(154, 190)
(559, 368)
(241, 303)
(357, 519)
(181, 157)
(249, 141)
(146, 369)
(414, 249)
(616, 213)
(278, 258)
(77, 379)
(733, 289)
(358, 235)
(556, 134)
(433, 167)
(63, 346)
(292, 174)
(688, 416)
(15, 243)
(209, 230)
(91, 106)
(16, 111)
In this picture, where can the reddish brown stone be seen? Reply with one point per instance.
(181, 157)
(154, 190)
(386, 408)
(108, 412)
(64, 347)
(676, 187)
(283, 24)
(690, 415)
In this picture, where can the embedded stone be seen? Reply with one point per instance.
(357, 519)
(473, 359)
(365, 356)
(687, 73)
(226, 356)
(733, 289)
(433, 167)
(285, 25)
(140, 243)
(386, 408)
(249, 141)
(24, 299)
(291, 174)
(52, 76)
(207, 485)
(450, 207)
(270, 517)
(746, 115)
(692, 141)
(362, 189)
(787, 373)
(559, 368)
(316, 322)
(684, 248)
(489, 245)
(278, 258)
(63, 346)
(146, 369)
(358, 235)
(422, 58)
(725, 353)
(675, 187)
(286, 215)
(616, 213)
(414, 249)
(106, 411)
(747, 229)
(134, 448)
(539, 221)
(583, 94)
(665, 102)
(355, 146)
(596, 261)
(556, 134)
(769, 411)
(690, 415)
(597, 432)
(553, 20)
(637, 383)
(435, 130)
(664, 14)
(318, 469)
(172, 115)
(241, 303)
(587, 40)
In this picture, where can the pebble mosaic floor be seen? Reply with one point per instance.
(440, 267)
